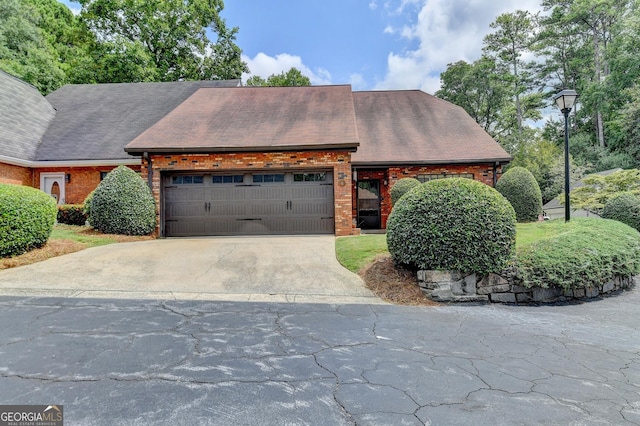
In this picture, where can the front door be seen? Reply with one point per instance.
(369, 204)
(53, 184)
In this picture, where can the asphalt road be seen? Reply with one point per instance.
(145, 362)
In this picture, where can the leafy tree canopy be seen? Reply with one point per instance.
(291, 78)
(598, 189)
(28, 42)
(165, 39)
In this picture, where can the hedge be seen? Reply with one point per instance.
(123, 204)
(72, 214)
(624, 207)
(523, 192)
(27, 216)
(401, 187)
(452, 224)
(582, 252)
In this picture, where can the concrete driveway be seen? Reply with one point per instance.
(276, 269)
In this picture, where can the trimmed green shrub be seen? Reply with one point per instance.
(72, 214)
(123, 204)
(523, 192)
(584, 252)
(625, 208)
(27, 216)
(87, 206)
(452, 224)
(401, 187)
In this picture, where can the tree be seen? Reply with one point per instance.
(514, 36)
(594, 26)
(25, 50)
(291, 78)
(165, 39)
(478, 88)
(598, 189)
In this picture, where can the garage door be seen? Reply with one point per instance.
(248, 204)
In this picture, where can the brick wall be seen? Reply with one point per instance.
(15, 175)
(338, 161)
(82, 180)
(481, 172)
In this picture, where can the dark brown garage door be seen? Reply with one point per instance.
(248, 204)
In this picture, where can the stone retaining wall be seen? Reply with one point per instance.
(447, 286)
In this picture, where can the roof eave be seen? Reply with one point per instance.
(68, 163)
(499, 160)
(348, 146)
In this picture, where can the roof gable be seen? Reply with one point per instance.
(24, 117)
(254, 119)
(96, 121)
(413, 127)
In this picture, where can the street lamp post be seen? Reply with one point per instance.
(565, 101)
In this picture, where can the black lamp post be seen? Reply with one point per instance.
(565, 101)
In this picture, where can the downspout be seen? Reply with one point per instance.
(495, 171)
(147, 157)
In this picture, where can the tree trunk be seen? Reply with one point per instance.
(598, 68)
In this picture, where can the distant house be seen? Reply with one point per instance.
(555, 210)
(228, 160)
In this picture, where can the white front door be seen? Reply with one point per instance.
(53, 184)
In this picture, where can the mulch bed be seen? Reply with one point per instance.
(392, 284)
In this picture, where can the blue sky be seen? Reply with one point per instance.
(370, 44)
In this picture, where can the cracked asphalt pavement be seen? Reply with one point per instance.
(138, 362)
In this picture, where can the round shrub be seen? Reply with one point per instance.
(87, 206)
(523, 192)
(27, 216)
(123, 204)
(625, 208)
(401, 187)
(452, 224)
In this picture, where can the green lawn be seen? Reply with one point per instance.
(527, 233)
(75, 233)
(356, 252)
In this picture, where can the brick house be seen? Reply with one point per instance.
(229, 160)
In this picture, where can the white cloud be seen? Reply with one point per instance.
(357, 81)
(447, 31)
(264, 65)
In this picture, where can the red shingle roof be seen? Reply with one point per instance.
(255, 118)
(391, 127)
(413, 127)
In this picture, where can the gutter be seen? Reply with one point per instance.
(231, 149)
(69, 163)
(377, 164)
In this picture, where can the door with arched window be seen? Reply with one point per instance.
(53, 184)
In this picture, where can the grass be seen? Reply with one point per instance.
(67, 239)
(354, 253)
(529, 233)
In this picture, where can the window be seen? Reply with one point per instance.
(428, 177)
(218, 179)
(270, 178)
(103, 175)
(309, 177)
(187, 179)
